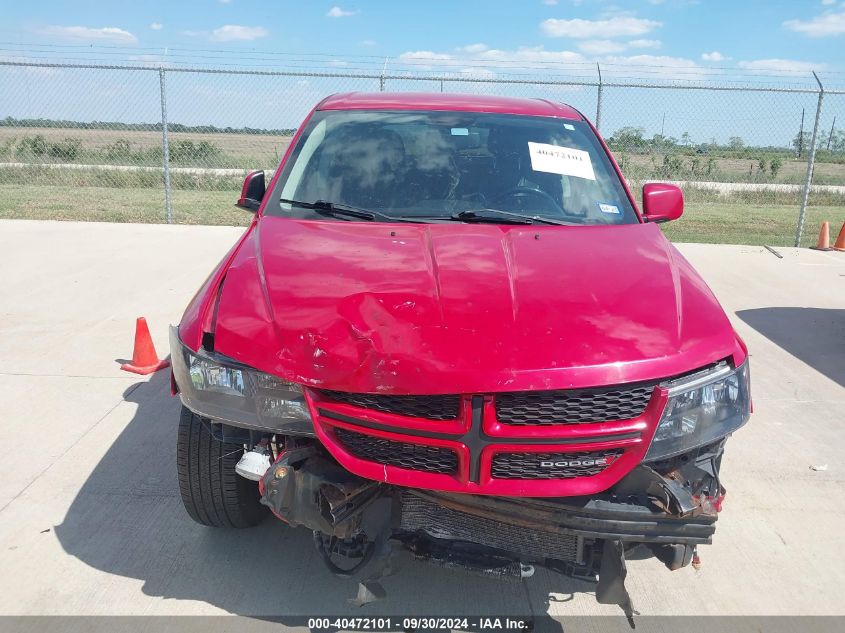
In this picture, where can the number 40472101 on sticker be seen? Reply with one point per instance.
(566, 161)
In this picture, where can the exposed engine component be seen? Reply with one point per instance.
(306, 488)
(254, 463)
(421, 514)
(356, 551)
(669, 508)
(467, 556)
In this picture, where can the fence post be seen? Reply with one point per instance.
(381, 76)
(165, 152)
(598, 99)
(811, 163)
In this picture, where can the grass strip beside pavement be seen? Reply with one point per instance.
(706, 222)
(108, 204)
(732, 223)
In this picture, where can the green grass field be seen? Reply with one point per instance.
(732, 223)
(257, 151)
(709, 222)
(108, 204)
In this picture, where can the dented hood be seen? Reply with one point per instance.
(462, 308)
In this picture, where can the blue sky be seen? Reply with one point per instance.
(751, 35)
(750, 41)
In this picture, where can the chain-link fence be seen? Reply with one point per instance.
(156, 144)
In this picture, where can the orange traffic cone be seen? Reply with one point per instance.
(823, 243)
(144, 357)
(839, 245)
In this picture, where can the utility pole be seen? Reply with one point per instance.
(663, 125)
(801, 135)
(830, 137)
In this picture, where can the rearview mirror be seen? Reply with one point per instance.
(662, 202)
(252, 193)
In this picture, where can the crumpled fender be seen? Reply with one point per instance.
(199, 314)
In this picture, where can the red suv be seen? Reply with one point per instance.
(450, 328)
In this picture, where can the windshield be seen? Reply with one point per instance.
(432, 166)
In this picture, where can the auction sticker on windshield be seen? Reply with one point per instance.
(566, 161)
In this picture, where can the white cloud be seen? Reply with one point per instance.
(473, 48)
(656, 61)
(824, 25)
(426, 60)
(617, 26)
(155, 60)
(486, 62)
(615, 11)
(780, 65)
(538, 59)
(156, 26)
(105, 34)
(601, 47)
(531, 54)
(664, 65)
(337, 12)
(715, 56)
(645, 43)
(368, 43)
(237, 33)
(426, 55)
(828, 2)
(551, 3)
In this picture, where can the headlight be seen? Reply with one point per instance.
(228, 391)
(702, 408)
(207, 375)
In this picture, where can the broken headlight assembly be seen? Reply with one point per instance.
(225, 390)
(702, 407)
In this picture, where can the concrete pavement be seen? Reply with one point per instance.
(91, 521)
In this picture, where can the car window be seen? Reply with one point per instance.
(434, 164)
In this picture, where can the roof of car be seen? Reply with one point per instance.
(448, 102)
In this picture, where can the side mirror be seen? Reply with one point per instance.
(662, 202)
(252, 193)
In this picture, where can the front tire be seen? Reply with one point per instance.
(212, 492)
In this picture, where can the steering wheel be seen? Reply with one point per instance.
(521, 192)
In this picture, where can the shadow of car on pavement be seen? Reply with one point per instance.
(128, 519)
(815, 336)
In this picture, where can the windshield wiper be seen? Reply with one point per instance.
(324, 207)
(498, 216)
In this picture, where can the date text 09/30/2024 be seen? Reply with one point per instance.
(477, 623)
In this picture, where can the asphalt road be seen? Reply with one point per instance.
(91, 521)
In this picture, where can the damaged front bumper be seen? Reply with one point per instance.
(668, 508)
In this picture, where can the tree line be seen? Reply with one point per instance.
(633, 139)
(140, 127)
